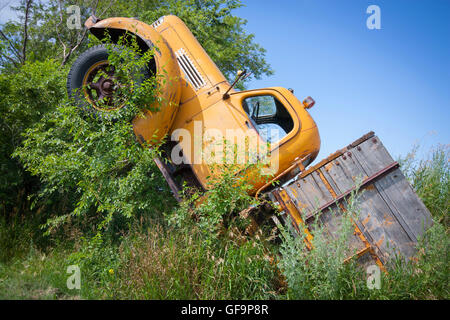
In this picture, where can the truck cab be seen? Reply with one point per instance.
(203, 114)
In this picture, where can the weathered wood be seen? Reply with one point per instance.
(301, 201)
(372, 155)
(311, 194)
(331, 220)
(375, 215)
(391, 216)
(407, 207)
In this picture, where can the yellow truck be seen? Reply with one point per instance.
(201, 109)
(201, 100)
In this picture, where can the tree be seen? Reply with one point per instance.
(34, 47)
(25, 96)
(220, 32)
(42, 32)
(211, 21)
(15, 52)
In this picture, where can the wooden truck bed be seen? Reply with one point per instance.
(391, 218)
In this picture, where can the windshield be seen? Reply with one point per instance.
(269, 117)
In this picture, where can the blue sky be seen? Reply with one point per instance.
(5, 12)
(394, 81)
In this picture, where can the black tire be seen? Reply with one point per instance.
(79, 70)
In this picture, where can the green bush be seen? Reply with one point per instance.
(96, 165)
(25, 97)
(219, 206)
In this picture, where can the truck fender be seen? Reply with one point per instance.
(154, 124)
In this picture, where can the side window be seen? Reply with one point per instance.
(269, 116)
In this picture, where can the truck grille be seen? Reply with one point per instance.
(193, 76)
(158, 22)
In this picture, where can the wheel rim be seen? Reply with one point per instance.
(100, 87)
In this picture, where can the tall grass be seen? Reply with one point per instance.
(169, 264)
(154, 260)
(160, 263)
(430, 178)
(319, 270)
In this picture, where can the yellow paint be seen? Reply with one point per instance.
(152, 126)
(295, 214)
(183, 105)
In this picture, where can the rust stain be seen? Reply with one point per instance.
(295, 214)
(327, 184)
(357, 231)
(294, 192)
(370, 187)
(366, 220)
(387, 220)
(380, 242)
(301, 205)
(329, 166)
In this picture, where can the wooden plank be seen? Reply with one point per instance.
(330, 181)
(379, 221)
(409, 210)
(372, 155)
(341, 179)
(310, 193)
(330, 219)
(391, 216)
(376, 159)
(332, 222)
(322, 195)
(299, 198)
(313, 193)
(325, 172)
